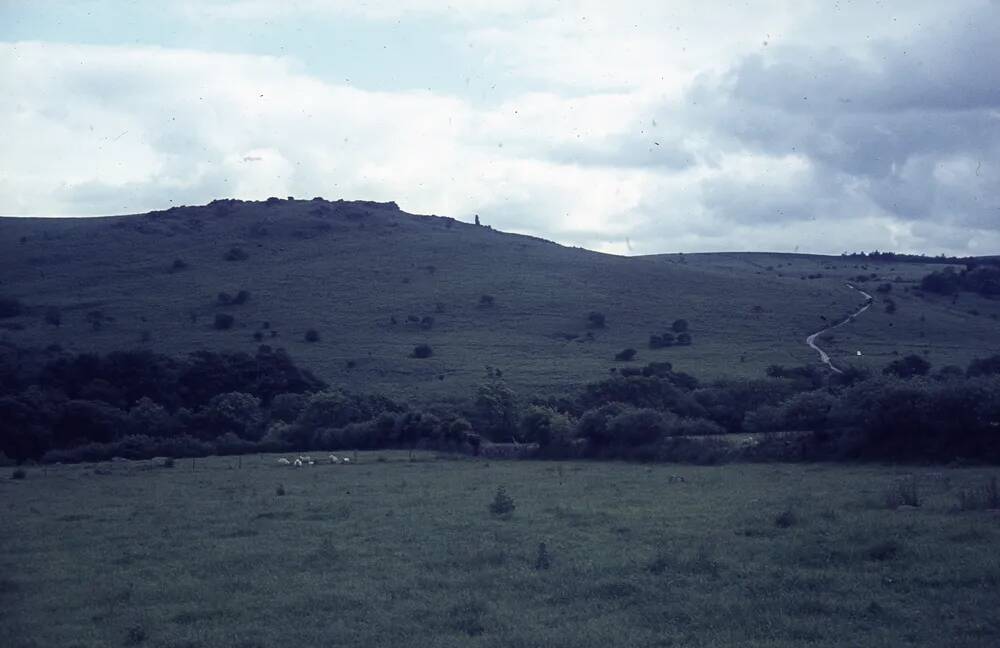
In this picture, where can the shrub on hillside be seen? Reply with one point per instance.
(595, 320)
(312, 335)
(486, 301)
(625, 355)
(10, 307)
(984, 366)
(908, 367)
(661, 341)
(178, 265)
(683, 339)
(223, 321)
(53, 316)
(679, 326)
(236, 254)
(422, 351)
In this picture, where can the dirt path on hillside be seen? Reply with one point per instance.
(824, 357)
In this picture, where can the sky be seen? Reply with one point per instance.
(629, 127)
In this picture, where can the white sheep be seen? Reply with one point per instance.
(283, 462)
(297, 463)
(347, 460)
(334, 459)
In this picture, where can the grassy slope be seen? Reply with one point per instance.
(347, 271)
(406, 554)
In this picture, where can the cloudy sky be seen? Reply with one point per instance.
(633, 127)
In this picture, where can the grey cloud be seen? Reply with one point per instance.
(911, 127)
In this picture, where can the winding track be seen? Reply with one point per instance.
(824, 357)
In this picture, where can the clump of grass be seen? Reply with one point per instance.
(883, 551)
(18, 474)
(983, 498)
(786, 519)
(903, 493)
(542, 559)
(135, 635)
(502, 505)
(468, 618)
(279, 490)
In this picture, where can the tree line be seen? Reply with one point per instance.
(58, 406)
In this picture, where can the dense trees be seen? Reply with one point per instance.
(56, 406)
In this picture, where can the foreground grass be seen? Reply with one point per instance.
(394, 552)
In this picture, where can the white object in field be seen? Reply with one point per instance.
(859, 353)
(334, 459)
(298, 463)
(347, 460)
(283, 462)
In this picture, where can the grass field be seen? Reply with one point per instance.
(348, 271)
(393, 552)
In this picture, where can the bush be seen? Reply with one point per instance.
(486, 301)
(679, 326)
(422, 351)
(908, 367)
(638, 427)
(312, 335)
(984, 366)
(661, 341)
(223, 321)
(683, 339)
(288, 407)
(236, 254)
(545, 426)
(496, 409)
(53, 316)
(10, 307)
(18, 474)
(625, 355)
(502, 505)
(178, 264)
(595, 320)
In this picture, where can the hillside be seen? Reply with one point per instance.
(356, 271)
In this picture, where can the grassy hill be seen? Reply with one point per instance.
(356, 271)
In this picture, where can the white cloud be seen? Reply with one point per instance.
(667, 124)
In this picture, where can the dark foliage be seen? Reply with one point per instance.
(907, 367)
(223, 321)
(312, 335)
(978, 277)
(625, 355)
(236, 254)
(595, 320)
(10, 307)
(422, 351)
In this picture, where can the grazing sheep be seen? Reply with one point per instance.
(347, 460)
(334, 459)
(297, 463)
(283, 462)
